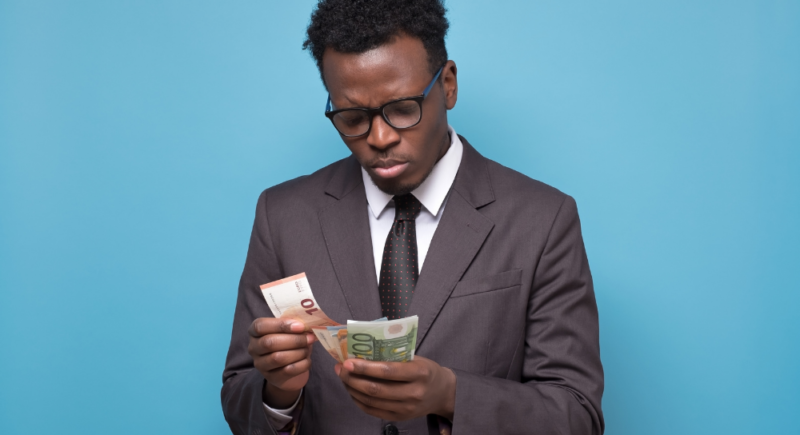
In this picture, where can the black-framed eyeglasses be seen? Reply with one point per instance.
(400, 113)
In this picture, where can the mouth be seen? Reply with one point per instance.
(389, 168)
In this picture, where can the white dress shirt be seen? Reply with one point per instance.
(432, 193)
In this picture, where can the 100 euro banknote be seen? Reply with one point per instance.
(334, 339)
(392, 340)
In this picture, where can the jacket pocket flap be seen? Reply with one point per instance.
(508, 279)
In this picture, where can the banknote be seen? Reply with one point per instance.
(378, 340)
(392, 340)
(292, 298)
(341, 338)
(325, 339)
(336, 338)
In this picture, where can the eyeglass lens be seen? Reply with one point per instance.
(400, 114)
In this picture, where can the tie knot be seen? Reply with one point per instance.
(407, 208)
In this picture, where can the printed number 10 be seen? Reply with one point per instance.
(308, 304)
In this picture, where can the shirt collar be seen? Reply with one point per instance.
(432, 192)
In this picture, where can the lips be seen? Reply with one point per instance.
(389, 168)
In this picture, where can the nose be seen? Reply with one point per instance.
(382, 136)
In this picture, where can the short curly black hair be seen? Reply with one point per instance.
(355, 26)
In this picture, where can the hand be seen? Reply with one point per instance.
(281, 351)
(399, 391)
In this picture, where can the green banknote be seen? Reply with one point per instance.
(392, 340)
(334, 339)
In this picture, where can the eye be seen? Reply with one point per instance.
(351, 117)
(403, 108)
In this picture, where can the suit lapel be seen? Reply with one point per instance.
(345, 226)
(458, 238)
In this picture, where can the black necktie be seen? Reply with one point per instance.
(399, 270)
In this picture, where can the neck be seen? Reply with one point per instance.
(445, 146)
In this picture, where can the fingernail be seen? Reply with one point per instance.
(337, 368)
(349, 366)
(296, 327)
(311, 338)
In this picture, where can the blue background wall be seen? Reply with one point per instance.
(136, 136)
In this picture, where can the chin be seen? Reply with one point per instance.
(395, 188)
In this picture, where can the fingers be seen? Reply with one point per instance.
(268, 325)
(281, 375)
(401, 403)
(392, 371)
(377, 412)
(382, 389)
(386, 409)
(278, 342)
(277, 360)
(281, 351)
(286, 369)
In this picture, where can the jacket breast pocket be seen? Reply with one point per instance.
(501, 281)
(480, 325)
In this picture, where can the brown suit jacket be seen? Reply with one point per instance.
(504, 298)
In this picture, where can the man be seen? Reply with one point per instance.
(491, 261)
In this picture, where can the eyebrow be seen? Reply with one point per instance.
(329, 105)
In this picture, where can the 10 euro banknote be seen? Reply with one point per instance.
(292, 298)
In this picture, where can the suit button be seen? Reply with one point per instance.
(390, 429)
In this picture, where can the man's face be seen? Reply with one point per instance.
(397, 160)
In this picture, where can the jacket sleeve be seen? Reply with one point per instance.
(242, 384)
(561, 375)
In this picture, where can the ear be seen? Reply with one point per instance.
(450, 84)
